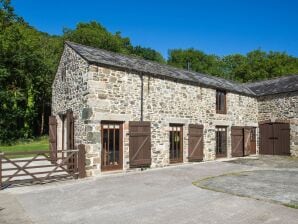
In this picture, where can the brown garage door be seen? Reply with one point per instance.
(139, 143)
(195, 143)
(275, 139)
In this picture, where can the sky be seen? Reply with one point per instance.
(218, 27)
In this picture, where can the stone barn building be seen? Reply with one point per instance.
(132, 113)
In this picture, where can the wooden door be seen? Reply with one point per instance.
(139, 143)
(176, 143)
(70, 138)
(281, 139)
(53, 137)
(266, 139)
(275, 139)
(221, 141)
(69, 130)
(112, 146)
(237, 141)
(195, 143)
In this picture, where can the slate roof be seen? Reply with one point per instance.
(273, 86)
(103, 57)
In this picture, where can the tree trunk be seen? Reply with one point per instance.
(42, 120)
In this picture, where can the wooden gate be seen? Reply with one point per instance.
(275, 139)
(139, 143)
(195, 142)
(38, 167)
(237, 141)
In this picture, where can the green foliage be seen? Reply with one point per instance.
(148, 54)
(27, 145)
(29, 59)
(255, 65)
(196, 60)
(95, 35)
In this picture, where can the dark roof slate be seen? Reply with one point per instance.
(103, 57)
(274, 86)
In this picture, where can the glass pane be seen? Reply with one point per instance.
(117, 146)
(171, 144)
(105, 147)
(111, 147)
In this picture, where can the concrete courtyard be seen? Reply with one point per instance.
(167, 195)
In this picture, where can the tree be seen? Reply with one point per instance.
(148, 54)
(197, 61)
(95, 35)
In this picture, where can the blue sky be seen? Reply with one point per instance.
(217, 27)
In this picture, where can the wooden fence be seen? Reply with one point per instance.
(41, 166)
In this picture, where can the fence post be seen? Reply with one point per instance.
(1, 154)
(82, 161)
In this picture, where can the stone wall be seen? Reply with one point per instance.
(70, 93)
(116, 95)
(282, 107)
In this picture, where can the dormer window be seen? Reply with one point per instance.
(221, 107)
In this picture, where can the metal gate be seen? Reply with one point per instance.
(139, 143)
(195, 143)
(275, 139)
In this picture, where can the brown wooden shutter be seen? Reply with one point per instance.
(70, 130)
(247, 140)
(253, 139)
(237, 141)
(195, 142)
(139, 143)
(53, 137)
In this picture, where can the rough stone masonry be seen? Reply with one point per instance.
(110, 90)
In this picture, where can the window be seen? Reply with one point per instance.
(221, 141)
(63, 74)
(111, 146)
(176, 143)
(220, 102)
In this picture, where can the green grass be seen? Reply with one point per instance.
(39, 144)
